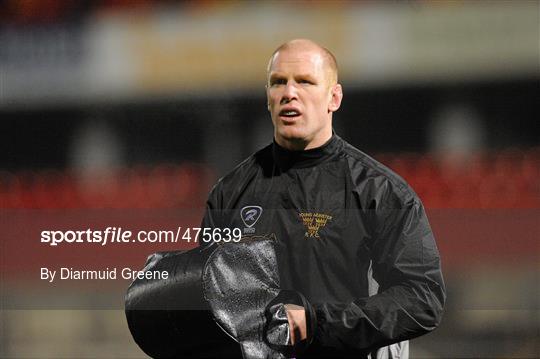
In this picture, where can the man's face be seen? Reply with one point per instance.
(301, 98)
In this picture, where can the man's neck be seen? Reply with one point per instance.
(299, 144)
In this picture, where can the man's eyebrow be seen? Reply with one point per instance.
(305, 76)
(276, 75)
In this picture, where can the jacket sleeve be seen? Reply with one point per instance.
(411, 296)
(212, 214)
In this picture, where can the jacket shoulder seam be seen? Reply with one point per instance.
(381, 170)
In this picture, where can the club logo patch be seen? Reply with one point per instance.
(250, 215)
(314, 222)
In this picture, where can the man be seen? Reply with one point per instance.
(353, 236)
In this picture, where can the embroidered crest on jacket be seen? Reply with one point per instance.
(314, 222)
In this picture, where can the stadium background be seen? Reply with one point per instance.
(121, 113)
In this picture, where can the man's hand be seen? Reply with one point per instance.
(296, 315)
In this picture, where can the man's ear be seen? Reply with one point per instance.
(336, 97)
(267, 99)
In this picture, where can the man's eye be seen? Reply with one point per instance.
(278, 82)
(304, 81)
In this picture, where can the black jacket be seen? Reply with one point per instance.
(343, 221)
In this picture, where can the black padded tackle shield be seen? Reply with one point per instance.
(222, 301)
(169, 318)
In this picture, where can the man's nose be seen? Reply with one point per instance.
(290, 93)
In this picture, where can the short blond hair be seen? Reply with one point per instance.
(327, 55)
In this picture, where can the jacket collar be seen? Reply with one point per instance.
(286, 159)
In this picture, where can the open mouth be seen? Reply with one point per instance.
(289, 113)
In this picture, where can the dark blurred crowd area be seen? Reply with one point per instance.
(159, 155)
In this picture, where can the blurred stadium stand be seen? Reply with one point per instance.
(163, 186)
(500, 179)
(124, 113)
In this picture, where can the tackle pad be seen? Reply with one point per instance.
(220, 301)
